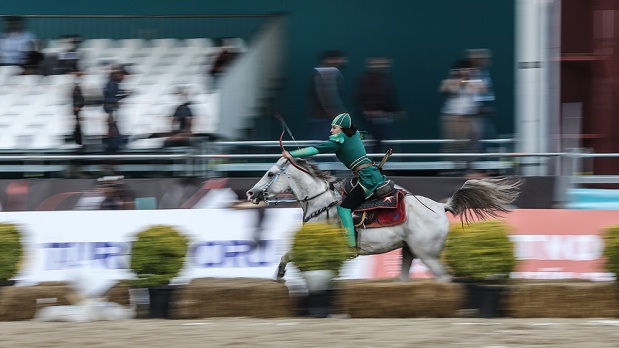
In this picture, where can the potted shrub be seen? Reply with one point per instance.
(481, 255)
(157, 256)
(11, 252)
(319, 250)
(611, 249)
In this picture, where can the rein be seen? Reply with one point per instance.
(320, 211)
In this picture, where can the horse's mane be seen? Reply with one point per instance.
(314, 170)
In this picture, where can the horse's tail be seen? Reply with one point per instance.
(483, 199)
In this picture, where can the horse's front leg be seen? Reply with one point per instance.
(281, 269)
(407, 262)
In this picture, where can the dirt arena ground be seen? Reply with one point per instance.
(324, 333)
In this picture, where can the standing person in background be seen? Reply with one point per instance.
(33, 64)
(16, 42)
(78, 104)
(459, 119)
(480, 60)
(181, 121)
(325, 92)
(112, 96)
(68, 60)
(220, 62)
(377, 99)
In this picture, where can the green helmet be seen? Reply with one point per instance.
(342, 120)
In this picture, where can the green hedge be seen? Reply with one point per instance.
(611, 249)
(11, 251)
(319, 246)
(481, 250)
(158, 255)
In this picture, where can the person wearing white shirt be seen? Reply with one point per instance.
(16, 42)
(459, 119)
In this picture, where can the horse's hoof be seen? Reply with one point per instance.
(444, 279)
(279, 277)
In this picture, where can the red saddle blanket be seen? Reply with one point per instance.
(388, 210)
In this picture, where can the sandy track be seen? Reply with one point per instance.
(304, 332)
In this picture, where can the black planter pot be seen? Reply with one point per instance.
(317, 304)
(161, 298)
(472, 295)
(490, 300)
(485, 298)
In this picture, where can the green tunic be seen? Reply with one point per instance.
(351, 152)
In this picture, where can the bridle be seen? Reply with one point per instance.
(306, 200)
(282, 170)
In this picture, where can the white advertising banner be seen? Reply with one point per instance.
(222, 241)
(61, 245)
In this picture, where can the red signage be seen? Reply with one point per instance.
(548, 243)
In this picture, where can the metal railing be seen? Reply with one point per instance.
(229, 158)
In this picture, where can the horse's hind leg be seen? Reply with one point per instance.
(435, 266)
(407, 262)
(281, 269)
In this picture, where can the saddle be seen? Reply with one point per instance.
(386, 188)
(384, 208)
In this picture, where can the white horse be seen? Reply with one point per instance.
(424, 231)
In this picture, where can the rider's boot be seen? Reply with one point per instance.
(346, 218)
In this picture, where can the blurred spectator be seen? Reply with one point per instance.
(181, 121)
(480, 60)
(68, 59)
(78, 104)
(33, 65)
(90, 199)
(325, 91)
(112, 199)
(117, 197)
(220, 62)
(112, 96)
(376, 97)
(459, 119)
(16, 41)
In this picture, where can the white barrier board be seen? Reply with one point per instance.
(60, 244)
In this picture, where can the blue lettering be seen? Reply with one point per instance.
(232, 254)
(110, 254)
(262, 255)
(107, 255)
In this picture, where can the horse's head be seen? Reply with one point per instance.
(284, 178)
(272, 183)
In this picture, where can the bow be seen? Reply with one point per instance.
(281, 144)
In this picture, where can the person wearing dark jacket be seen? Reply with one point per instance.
(181, 122)
(376, 98)
(78, 104)
(112, 95)
(326, 90)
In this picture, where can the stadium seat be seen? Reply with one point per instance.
(37, 111)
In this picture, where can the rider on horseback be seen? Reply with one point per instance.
(346, 142)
